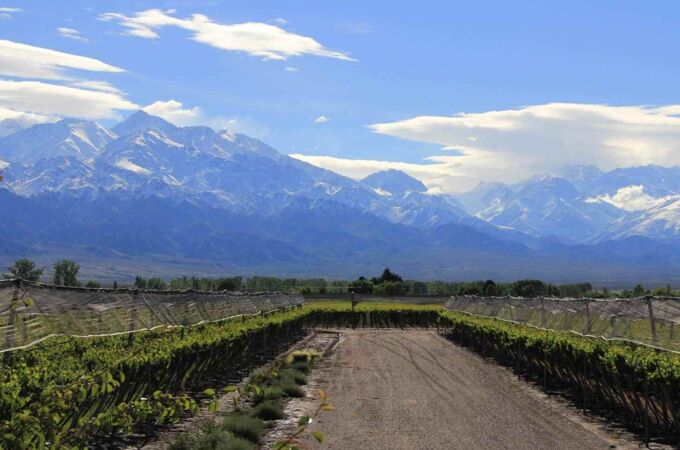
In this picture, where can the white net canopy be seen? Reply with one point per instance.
(30, 312)
(644, 320)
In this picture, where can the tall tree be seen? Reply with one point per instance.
(25, 269)
(66, 273)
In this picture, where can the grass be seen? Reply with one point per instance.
(268, 410)
(215, 440)
(243, 426)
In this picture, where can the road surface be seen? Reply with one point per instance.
(396, 389)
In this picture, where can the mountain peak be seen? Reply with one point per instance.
(141, 120)
(394, 181)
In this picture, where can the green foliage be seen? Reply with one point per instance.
(25, 269)
(268, 410)
(361, 286)
(66, 273)
(74, 389)
(387, 277)
(529, 288)
(243, 426)
(93, 284)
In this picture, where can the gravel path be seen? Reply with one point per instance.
(414, 390)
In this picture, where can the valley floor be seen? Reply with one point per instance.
(396, 389)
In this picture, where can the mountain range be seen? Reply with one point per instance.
(147, 197)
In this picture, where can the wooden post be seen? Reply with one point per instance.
(542, 312)
(10, 338)
(131, 324)
(652, 322)
(589, 322)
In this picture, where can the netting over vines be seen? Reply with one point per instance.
(30, 313)
(644, 320)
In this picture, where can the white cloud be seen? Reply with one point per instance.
(280, 21)
(7, 12)
(436, 175)
(322, 119)
(173, 112)
(27, 61)
(255, 38)
(47, 99)
(291, 69)
(96, 86)
(509, 145)
(632, 198)
(71, 33)
(24, 119)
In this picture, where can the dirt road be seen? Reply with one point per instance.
(415, 390)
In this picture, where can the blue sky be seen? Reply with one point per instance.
(403, 65)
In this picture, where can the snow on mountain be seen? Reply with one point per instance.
(659, 222)
(394, 182)
(140, 121)
(132, 167)
(543, 206)
(9, 126)
(69, 137)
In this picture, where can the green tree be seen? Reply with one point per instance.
(638, 290)
(66, 273)
(140, 283)
(387, 275)
(362, 286)
(26, 270)
(156, 284)
(93, 284)
(528, 288)
(490, 289)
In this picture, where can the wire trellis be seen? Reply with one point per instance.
(32, 312)
(650, 321)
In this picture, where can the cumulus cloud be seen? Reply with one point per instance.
(175, 112)
(7, 12)
(321, 119)
(71, 33)
(46, 99)
(510, 145)
(24, 119)
(254, 38)
(632, 198)
(27, 61)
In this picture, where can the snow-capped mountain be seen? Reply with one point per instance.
(583, 203)
(148, 189)
(146, 155)
(81, 139)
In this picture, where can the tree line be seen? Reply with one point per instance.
(65, 273)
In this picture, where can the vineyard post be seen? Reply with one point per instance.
(589, 322)
(652, 321)
(131, 325)
(14, 303)
(542, 312)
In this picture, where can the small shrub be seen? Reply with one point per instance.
(291, 389)
(292, 375)
(244, 427)
(267, 393)
(268, 410)
(215, 440)
(302, 366)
